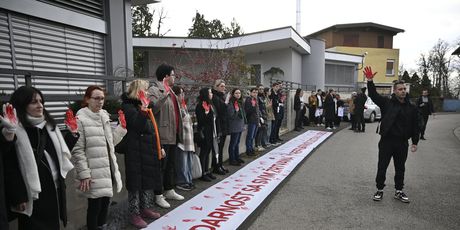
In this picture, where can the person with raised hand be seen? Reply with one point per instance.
(94, 155)
(399, 123)
(166, 109)
(8, 126)
(143, 157)
(43, 155)
(237, 119)
(205, 114)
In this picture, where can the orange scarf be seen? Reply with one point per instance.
(157, 135)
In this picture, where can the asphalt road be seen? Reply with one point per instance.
(333, 188)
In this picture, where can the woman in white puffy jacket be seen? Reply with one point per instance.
(94, 156)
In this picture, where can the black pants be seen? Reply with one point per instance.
(298, 118)
(217, 162)
(168, 168)
(360, 122)
(353, 121)
(97, 212)
(275, 132)
(425, 122)
(388, 148)
(311, 115)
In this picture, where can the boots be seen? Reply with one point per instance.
(137, 221)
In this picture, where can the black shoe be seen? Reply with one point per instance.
(400, 195)
(212, 176)
(297, 129)
(235, 163)
(219, 171)
(351, 129)
(422, 138)
(184, 187)
(224, 169)
(280, 140)
(205, 178)
(378, 195)
(240, 161)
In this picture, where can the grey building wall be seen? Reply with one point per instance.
(313, 66)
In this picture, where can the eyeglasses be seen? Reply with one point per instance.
(98, 98)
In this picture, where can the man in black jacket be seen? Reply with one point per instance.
(399, 123)
(425, 106)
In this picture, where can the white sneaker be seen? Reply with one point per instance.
(172, 195)
(328, 128)
(160, 201)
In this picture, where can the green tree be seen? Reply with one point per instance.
(203, 28)
(142, 20)
(406, 77)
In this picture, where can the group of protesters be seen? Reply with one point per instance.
(325, 109)
(155, 133)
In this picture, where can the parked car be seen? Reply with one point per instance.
(371, 111)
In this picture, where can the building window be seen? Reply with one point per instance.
(390, 70)
(351, 40)
(380, 41)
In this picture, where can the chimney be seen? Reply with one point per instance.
(297, 24)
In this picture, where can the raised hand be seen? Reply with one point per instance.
(368, 73)
(236, 106)
(166, 85)
(121, 118)
(145, 101)
(206, 107)
(253, 102)
(71, 121)
(9, 119)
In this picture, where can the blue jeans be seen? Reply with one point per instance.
(252, 130)
(183, 167)
(233, 147)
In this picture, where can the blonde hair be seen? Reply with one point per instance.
(136, 86)
(217, 82)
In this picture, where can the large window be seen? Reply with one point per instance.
(390, 70)
(339, 75)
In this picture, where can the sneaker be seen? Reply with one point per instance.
(150, 214)
(239, 160)
(137, 221)
(378, 195)
(261, 148)
(328, 128)
(400, 195)
(268, 145)
(172, 195)
(235, 163)
(422, 138)
(160, 201)
(184, 187)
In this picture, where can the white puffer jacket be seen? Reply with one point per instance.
(94, 154)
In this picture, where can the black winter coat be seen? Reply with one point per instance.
(143, 168)
(329, 107)
(206, 123)
(390, 108)
(51, 205)
(218, 100)
(297, 103)
(12, 170)
(252, 112)
(359, 103)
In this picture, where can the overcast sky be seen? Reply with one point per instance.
(424, 21)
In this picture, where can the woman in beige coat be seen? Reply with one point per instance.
(94, 157)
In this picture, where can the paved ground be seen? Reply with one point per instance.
(332, 189)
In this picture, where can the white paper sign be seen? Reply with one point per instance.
(318, 112)
(228, 203)
(340, 111)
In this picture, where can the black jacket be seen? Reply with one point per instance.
(143, 171)
(205, 123)
(329, 107)
(252, 112)
(425, 108)
(359, 102)
(297, 103)
(390, 108)
(11, 168)
(218, 100)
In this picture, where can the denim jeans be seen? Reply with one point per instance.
(233, 147)
(183, 167)
(252, 131)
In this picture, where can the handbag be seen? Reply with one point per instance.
(122, 147)
(196, 167)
